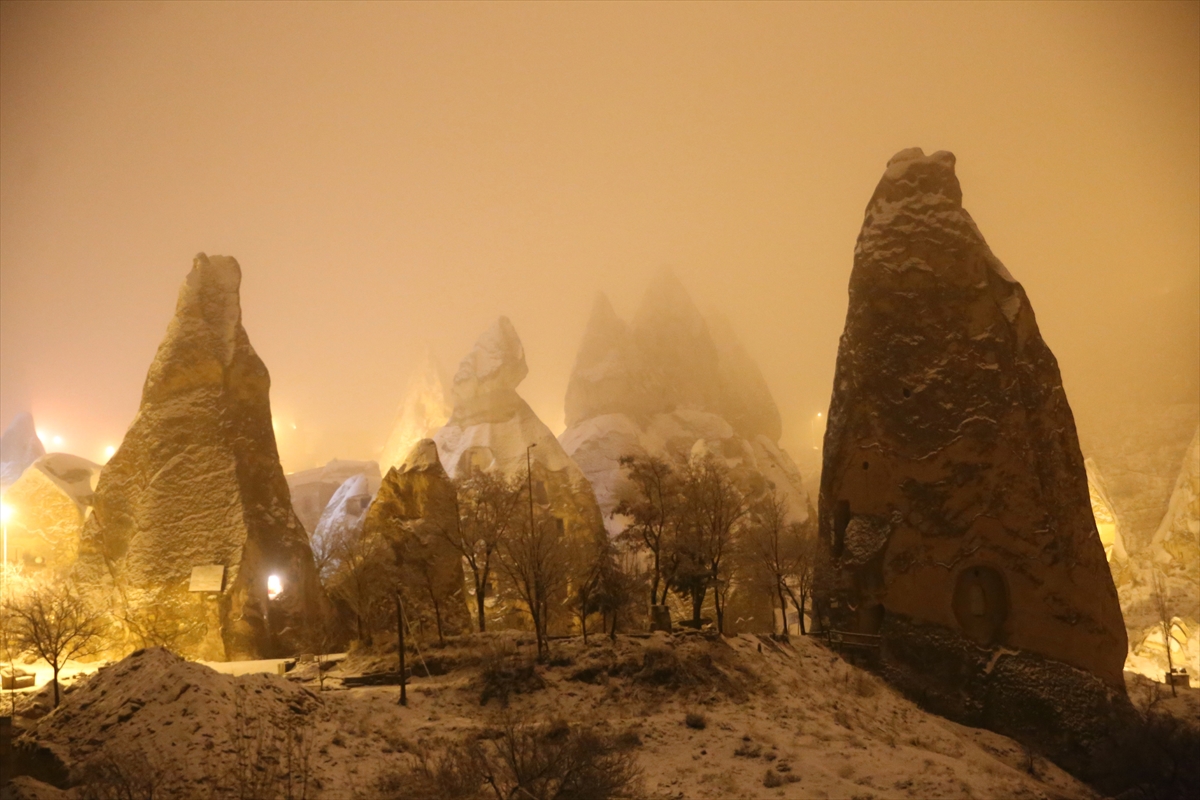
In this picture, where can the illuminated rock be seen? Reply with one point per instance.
(197, 482)
(424, 409)
(48, 504)
(1174, 556)
(312, 489)
(954, 504)
(412, 511)
(664, 385)
(342, 519)
(19, 447)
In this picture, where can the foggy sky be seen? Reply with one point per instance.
(399, 173)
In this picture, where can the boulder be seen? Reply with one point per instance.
(424, 409)
(955, 517)
(197, 483)
(19, 447)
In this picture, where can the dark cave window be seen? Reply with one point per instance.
(841, 518)
(907, 393)
(866, 465)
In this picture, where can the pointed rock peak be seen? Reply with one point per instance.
(497, 359)
(746, 400)
(19, 447)
(910, 172)
(604, 316)
(666, 299)
(424, 408)
(423, 456)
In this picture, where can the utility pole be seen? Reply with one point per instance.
(400, 629)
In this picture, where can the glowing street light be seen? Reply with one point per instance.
(109, 452)
(274, 587)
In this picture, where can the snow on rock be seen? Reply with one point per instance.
(312, 489)
(491, 428)
(342, 519)
(424, 409)
(949, 420)
(49, 503)
(19, 447)
(197, 482)
(671, 380)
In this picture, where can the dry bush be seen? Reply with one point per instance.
(504, 672)
(696, 720)
(551, 760)
(118, 774)
(772, 779)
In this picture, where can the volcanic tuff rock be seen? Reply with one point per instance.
(414, 512)
(954, 502)
(491, 427)
(342, 520)
(49, 503)
(669, 383)
(312, 489)
(424, 409)
(19, 447)
(196, 482)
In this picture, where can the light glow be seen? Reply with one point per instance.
(109, 452)
(6, 512)
(274, 587)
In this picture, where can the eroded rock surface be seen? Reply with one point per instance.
(49, 503)
(949, 436)
(414, 512)
(19, 448)
(312, 489)
(197, 482)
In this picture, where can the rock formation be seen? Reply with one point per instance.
(342, 519)
(954, 505)
(312, 489)
(197, 483)
(19, 447)
(48, 504)
(425, 408)
(1174, 558)
(412, 512)
(662, 386)
(492, 427)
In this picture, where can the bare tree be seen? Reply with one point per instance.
(617, 588)
(1164, 611)
(487, 509)
(591, 561)
(57, 624)
(535, 558)
(422, 565)
(360, 579)
(713, 512)
(781, 556)
(654, 511)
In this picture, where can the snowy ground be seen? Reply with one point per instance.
(823, 728)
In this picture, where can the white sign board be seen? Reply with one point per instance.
(208, 578)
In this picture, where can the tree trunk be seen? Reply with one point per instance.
(55, 666)
(437, 615)
(1166, 640)
(800, 613)
(583, 621)
(697, 607)
(783, 608)
(479, 607)
(400, 629)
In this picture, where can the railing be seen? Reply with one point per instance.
(853, 641)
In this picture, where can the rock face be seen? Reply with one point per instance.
(425, 408)
(414, 506)
(197, 482)
(954, 505)
(313, 489)
(49, 503)
(19, 447)
(669, 383)
(491, 427)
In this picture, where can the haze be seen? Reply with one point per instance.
(389, 175)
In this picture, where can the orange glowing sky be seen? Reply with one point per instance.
(393, 173)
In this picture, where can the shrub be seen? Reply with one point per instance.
(696, 720)
(772, 779)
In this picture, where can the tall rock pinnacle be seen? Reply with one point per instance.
(197, 483)
(424, 409)
(954, 503)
